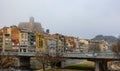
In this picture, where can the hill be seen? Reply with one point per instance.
(110, 39)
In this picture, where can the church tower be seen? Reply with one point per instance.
(31, 24)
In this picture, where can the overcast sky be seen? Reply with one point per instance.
(81, 18)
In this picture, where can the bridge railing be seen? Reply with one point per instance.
(68, 54)
(90, 54)
(19, 53)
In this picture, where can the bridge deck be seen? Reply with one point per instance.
(70, 55)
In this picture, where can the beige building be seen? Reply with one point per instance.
(83, 45)
(5, 39)
(98, 45)
(23, 41)
(31, 26)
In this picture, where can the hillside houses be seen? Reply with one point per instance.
(14, 39)
(30, 39)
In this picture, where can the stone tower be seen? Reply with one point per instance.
(31, 24)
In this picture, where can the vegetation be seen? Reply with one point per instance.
(6, 62)
(68, 70)
(110, 39)
(42, 58)
(82, 66)
(116, 48)
(46, 59)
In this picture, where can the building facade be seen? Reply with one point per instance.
(31, 42)
(23, 41)
(15, 38)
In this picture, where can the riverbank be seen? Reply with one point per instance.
(68, 70)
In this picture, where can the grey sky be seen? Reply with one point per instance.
(82, 18)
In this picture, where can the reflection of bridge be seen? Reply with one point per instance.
(100, 59)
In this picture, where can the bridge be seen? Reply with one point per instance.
(90, 55)
(71, 55)
(100, 59)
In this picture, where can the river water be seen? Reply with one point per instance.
(12, 69)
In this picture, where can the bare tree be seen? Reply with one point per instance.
(47, 59)
(42, 57)
(54, 61)
(116, 48)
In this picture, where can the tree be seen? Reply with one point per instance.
(42, 57)
(116, 48)
(54, 60)
(46, 58)
(6, 61)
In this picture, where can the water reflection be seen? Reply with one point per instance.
(13, 69)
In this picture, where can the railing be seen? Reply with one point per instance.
(19, 53)
(68, 54)
(91, 55)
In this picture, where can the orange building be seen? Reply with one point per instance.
(71, 46)
(15, 38)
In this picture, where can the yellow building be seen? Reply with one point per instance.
(40, 42)
(102, 46)
(84, 41)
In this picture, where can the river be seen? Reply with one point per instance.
(69, 70)
(11, 69)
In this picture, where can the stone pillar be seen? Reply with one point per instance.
(60, 64)
(24, 62)
(35, 63)
(97, 66)
(104, 63)
(101, 65)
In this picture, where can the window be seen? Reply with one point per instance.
(6, 44)
(22, 35)
(25, 36)
(0, 40)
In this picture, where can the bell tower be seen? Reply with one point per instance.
(31, 23)
(31, 19)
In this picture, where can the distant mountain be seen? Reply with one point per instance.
(111, 39)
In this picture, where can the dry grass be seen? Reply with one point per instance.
(87, 65)
(90, 63)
